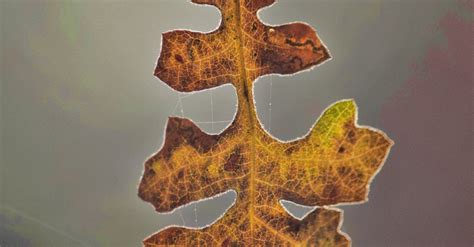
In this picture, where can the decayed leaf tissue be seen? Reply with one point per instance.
(333, 164)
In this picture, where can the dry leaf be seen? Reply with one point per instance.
(333, 164)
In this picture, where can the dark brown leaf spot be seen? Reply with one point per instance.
(234, 161)
(178, 58)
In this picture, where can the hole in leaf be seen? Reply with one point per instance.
(205, 212)
(211, 110)
(296, 210)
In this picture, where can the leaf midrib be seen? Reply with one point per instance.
(246, 94)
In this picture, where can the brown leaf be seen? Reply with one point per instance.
(333, 164)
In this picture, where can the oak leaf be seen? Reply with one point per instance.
(332, 164)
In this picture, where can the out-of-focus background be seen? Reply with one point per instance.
(81, 111)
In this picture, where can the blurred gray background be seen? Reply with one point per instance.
(81, 111)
